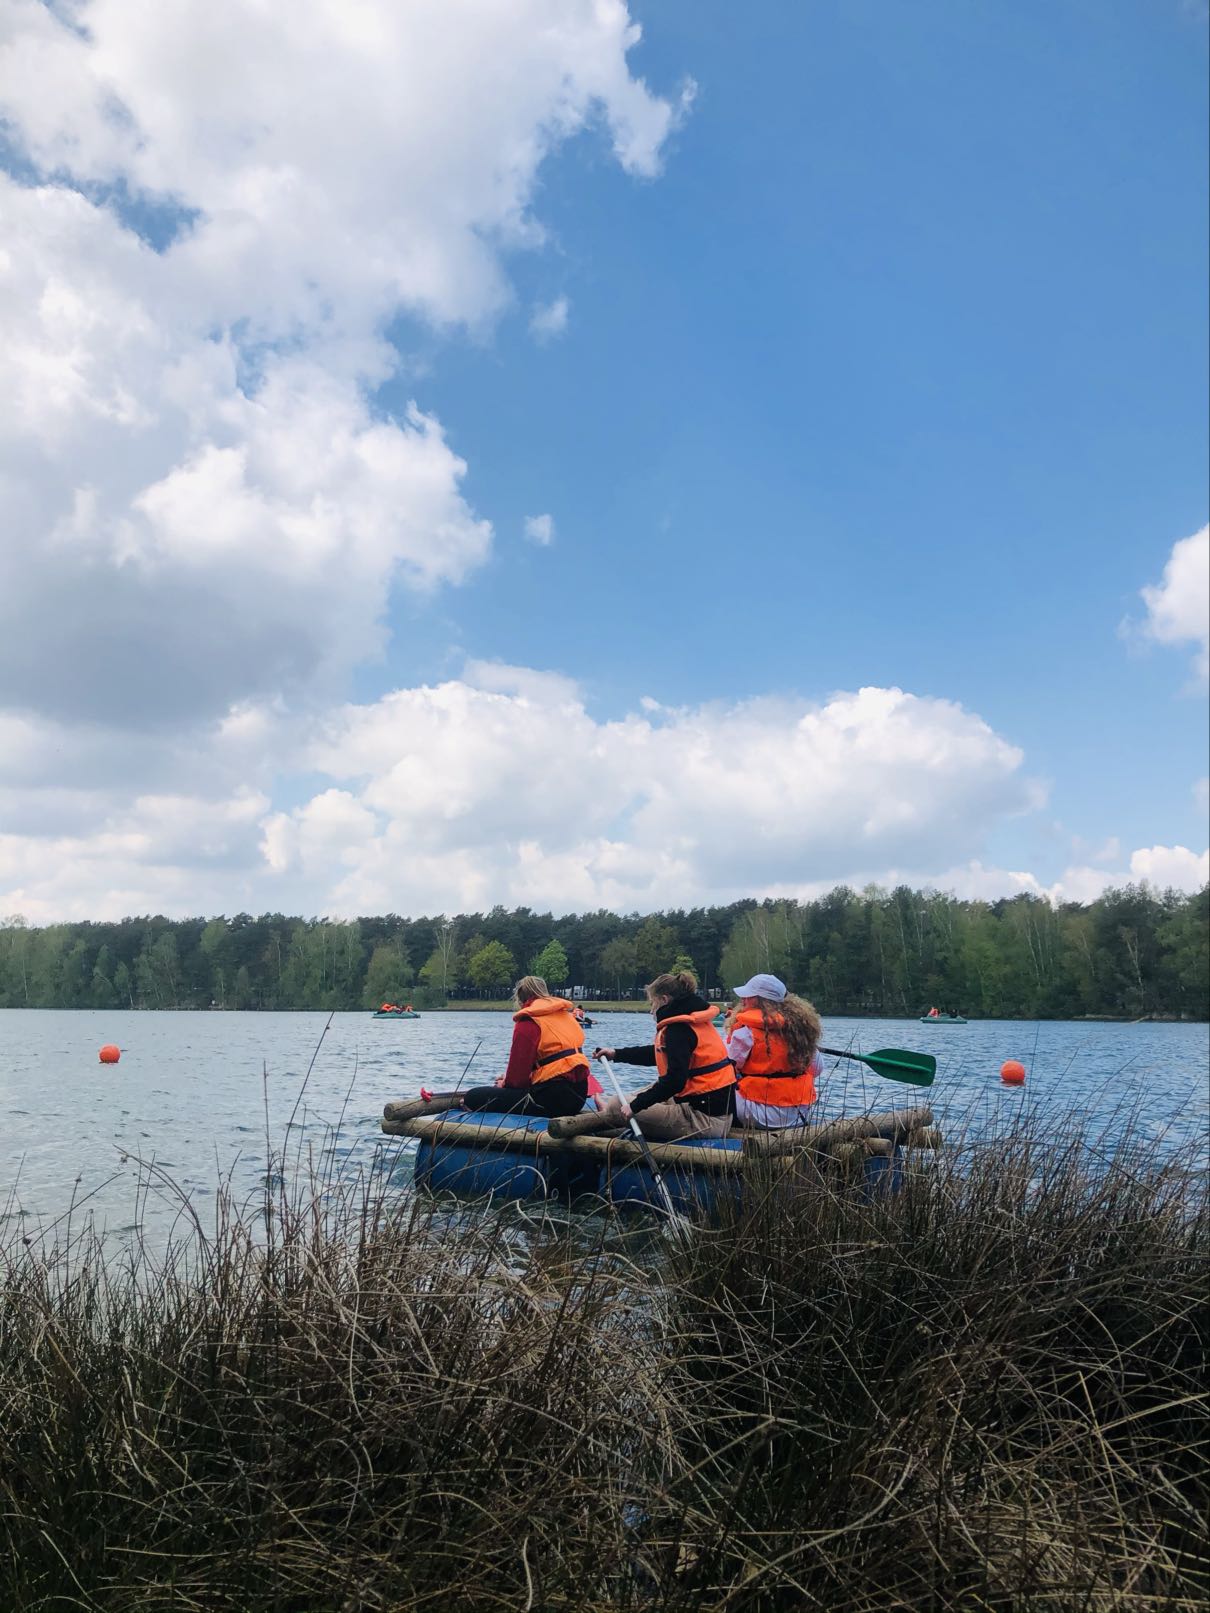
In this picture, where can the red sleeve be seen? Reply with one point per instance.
(522, 1054)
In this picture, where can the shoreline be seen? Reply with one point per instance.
(615, 1006)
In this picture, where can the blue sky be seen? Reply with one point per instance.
(884, 364)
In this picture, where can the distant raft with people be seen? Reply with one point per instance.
(393, 1011)
(942, 1019)
(514, 1156)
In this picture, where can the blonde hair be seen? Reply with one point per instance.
(669, 986)
(527, 988)
(800, 1025)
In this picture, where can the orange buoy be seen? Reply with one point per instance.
(1012, 1073)
(110, 1054)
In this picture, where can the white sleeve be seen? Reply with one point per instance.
(739, 1046)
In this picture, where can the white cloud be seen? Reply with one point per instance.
(549, 319)
(1174, 866)
(501, 786)
(1164, 867)
(199, 501)
(540, 529)
(154, 854)
(1178, 608)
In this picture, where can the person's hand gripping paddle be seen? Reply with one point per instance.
(674, 1219)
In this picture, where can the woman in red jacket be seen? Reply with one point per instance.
(547, 1070)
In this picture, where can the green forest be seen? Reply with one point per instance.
(1134, 952)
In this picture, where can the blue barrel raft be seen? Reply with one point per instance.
(515, 1157)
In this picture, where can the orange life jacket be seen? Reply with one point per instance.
(560, 1039)
(768, 1075)
(709, 1067)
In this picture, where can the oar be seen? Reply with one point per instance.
(674, 1219)
(894, 1064)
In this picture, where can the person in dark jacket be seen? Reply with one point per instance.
(693, 1094)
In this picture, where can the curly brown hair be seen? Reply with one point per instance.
(798, 1021)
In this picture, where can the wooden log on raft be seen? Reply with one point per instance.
(409, 1108)
(923, 1137)
(618, 1150)
(893, 1124)
(833, 1137)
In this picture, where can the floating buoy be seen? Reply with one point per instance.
(110, 1054)
(1012, 1073)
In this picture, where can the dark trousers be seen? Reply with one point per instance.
(553, 1097)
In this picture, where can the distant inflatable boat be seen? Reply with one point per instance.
(942, 1019)
(396, 1013)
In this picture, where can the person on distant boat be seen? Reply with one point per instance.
(933, 1013)
(773, 1042)
(692, 1095)
(547, 1070)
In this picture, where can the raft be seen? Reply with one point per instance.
(396, 1013)
(942, 1019)
(515, 1157)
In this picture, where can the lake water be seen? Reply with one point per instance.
(198, 1093)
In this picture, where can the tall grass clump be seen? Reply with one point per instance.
(983, 1393)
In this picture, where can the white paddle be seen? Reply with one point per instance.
(674, 1218)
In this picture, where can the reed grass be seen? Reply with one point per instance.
(982, 1394)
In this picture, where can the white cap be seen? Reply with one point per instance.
(763, 986)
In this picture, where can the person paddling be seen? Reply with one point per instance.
(547, 1070)
(691, 1096)
(773, 1043)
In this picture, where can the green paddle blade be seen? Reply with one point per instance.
(894, 1064)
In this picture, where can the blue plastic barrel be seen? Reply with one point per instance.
(882, 1173)
(446, 1166)
(692, 1192)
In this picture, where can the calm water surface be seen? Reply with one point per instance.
(198, 1093)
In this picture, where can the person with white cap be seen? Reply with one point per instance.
(773, 1043)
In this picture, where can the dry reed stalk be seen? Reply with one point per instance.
(986, 1393)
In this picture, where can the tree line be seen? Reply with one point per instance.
(1135, 951)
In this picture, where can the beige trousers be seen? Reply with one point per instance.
(669, 1122)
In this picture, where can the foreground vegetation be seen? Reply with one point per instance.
(1131, 953)
(985, 1394)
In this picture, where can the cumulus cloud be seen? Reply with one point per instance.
(1165, 867)
(540, 529)
(1178, 607)
(502, 785)
(200, 501)
(549, 319)
(1174, 866)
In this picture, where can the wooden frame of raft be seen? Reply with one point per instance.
(876, 1133)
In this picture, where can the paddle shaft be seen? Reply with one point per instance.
(893, 1064)
(648, 1156)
